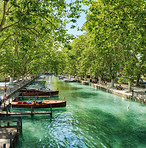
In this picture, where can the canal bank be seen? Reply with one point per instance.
(10, 127)
(138, 94)
(12, 90)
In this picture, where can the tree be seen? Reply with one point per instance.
(118, 31)
(25, 26)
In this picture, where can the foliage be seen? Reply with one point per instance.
(33, 38)
(30, 32)
(114, 40)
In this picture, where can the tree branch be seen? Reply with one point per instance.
(26, 28)
(1, 29)
(8, 10)
(4, 18)
(5, 40)
(51, 23)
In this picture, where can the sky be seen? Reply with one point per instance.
(79, 23)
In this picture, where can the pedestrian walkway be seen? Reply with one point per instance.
(137, 94)
(124, 93)
(12, 90)
(10, 87)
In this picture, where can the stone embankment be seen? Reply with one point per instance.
(138, 94)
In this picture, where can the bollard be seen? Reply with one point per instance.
(21, 124)
(132, 94)
(18, 127)
(7, 111)
(32, 109)
(11, 140)
(51, 110)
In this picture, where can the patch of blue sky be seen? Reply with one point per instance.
(80, 21)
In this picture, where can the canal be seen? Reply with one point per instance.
(91, 119)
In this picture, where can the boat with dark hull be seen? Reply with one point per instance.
(39, 104)
(34, 92)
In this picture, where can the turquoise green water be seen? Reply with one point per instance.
(91, 119)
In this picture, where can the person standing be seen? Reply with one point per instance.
(105, 83)
(1, 100)
(5, 98)
(5, 95)
(5, 89)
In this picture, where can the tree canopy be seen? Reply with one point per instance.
(31, 31)
(33, 38)
(114, 40)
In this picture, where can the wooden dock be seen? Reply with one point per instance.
(32, 113)
(9, 133)
(7, 137)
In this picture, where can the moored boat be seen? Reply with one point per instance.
(33, 92)
(39, 104)
(69, 80)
